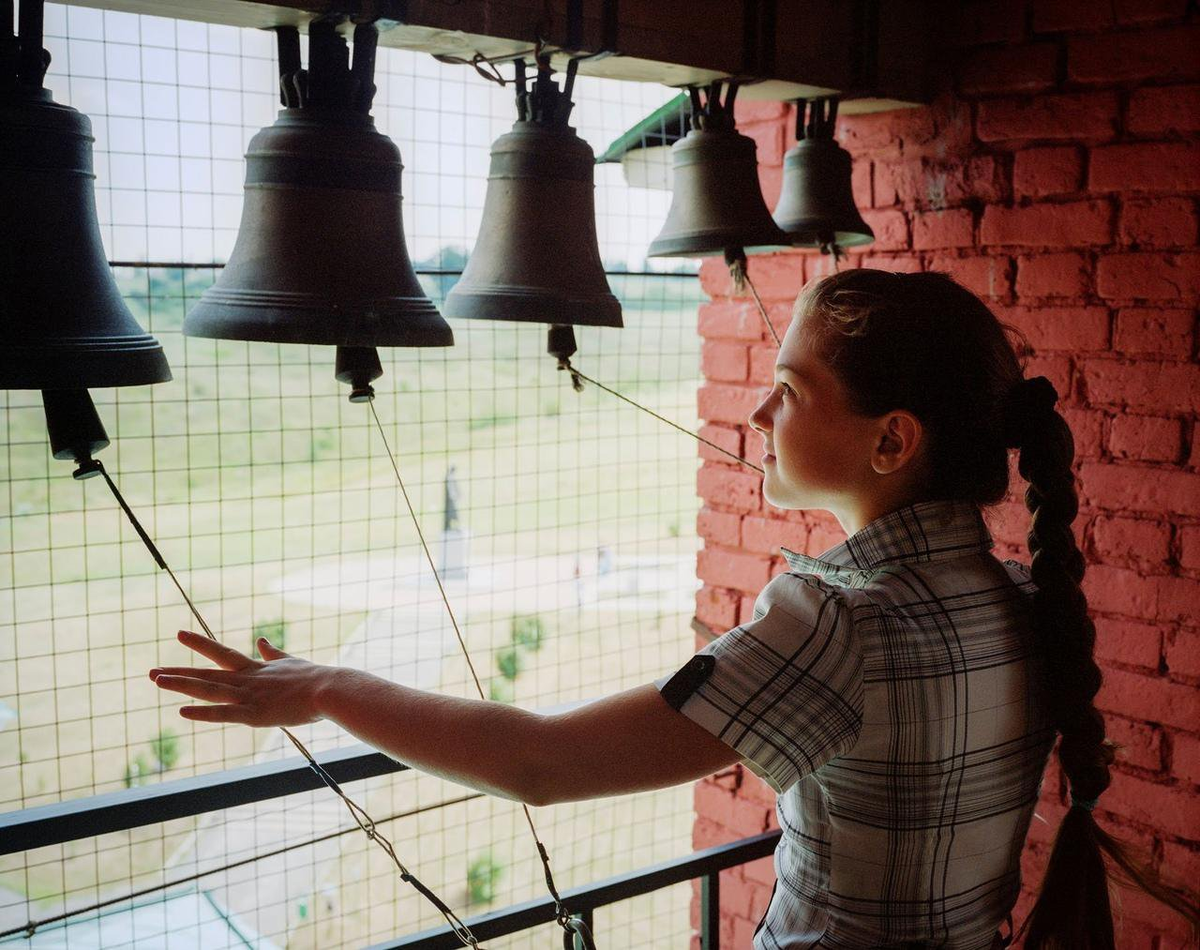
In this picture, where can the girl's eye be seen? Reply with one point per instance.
(787, 390)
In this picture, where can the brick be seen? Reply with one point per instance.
(729, 319)
(1040, 172)
(770, 183)
(937, 229)
(1171, 809)
(1115, 590)
(723, 361)
(860, 184)
(1156, 110)
(1141, 745)
(1067, 225)
(1054, 16)
(939, 185)
(1145, 386)
(890, 227)
(1162, 55)
(1053, 275)
(1128, 642)
(1185, 758)
(728, 568)
(897, 263)
(1075, 116)
(1154, 330)
(1152, 699)
(1181, 862)
(1182, 654)
(1070, 329)
(1179, 602)
(767, 535)
(1189, 547)
(731, 488)
(1028, 68)
(1145, 166)
(984, 276)
(979, 22)
(1149, 276)
(1129, 488)
(718, 402)
(1194, 458)
(762, 365)
(1145, 438)
(1148, 11)
(759, 110)
(1139, 543)
(717, 608)
(883, 186)
(719, 527)
(1087, 428)
(1162, 222)
(727, 438)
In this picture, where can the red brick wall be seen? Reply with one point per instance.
(1056, 175)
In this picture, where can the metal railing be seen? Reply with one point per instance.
(705, 865)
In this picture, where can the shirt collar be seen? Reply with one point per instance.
(917, 534)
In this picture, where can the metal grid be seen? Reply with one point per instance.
(274, 499)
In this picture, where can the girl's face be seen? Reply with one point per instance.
(817, 450)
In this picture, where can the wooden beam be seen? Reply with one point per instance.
(782, 49)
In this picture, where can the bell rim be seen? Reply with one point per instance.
(502, 306)
(804, 234)
(137, 361)
(693, 244)
(286, 317)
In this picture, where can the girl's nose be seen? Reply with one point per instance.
(760, 418)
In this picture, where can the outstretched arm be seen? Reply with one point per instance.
(629, 742)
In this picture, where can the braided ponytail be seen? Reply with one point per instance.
(923, 343)
(1073, 908)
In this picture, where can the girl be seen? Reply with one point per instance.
(900, 693)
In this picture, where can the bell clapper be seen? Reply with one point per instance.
(358, 366)
(560, 343)
(75, 429)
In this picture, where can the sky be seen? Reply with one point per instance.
(174, 103)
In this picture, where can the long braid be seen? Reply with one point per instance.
(1073, 908)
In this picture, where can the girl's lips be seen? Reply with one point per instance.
(768, 458)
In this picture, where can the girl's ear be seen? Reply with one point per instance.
(900, 438)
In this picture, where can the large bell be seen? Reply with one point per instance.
(537, 258)
(63, 325)
(320, 254)
(716, 205)
(816, 205)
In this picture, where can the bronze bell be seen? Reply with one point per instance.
(63, 325)
(716, 205)
(537, 258)
(320, 255)
(816, 206)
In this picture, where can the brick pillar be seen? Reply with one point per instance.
(1056, 175)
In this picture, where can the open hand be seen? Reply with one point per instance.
(278, 690)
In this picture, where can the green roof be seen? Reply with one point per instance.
(666, 125)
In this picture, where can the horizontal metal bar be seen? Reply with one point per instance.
(148, 804)
(532, 913)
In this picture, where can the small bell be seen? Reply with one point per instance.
(816, 205)
(717, 205)
(320, 256)
(537, 258)
(63, 325)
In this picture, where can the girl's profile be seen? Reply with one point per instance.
(901, 692)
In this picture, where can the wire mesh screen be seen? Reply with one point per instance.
(563, 524)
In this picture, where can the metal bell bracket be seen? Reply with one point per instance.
(711, 114)
(23, 61)
(330, 81)
(545, 104)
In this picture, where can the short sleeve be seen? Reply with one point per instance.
(786, 690)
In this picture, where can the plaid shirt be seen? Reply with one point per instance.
(888, 692)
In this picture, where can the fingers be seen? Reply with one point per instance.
(225, 657)
(268, 651)
(198, 688)
(229, 713)
(232, 677)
